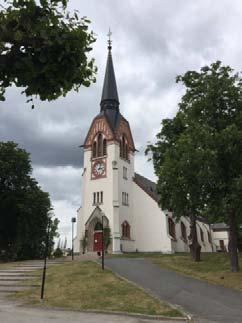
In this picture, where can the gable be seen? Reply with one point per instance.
(124, 129)
(99, 124)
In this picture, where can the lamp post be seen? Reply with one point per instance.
(73, 220)
(45, 258)
(103, 241)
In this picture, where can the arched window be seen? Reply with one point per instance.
(183, 232)
(172, 229)
(98, 226)
(201, 235)
(123, 147)
(94, 149)
(104, 147)
(126, 152)
(120, 149)
(125, 230)
(209, 237)
(99, 145)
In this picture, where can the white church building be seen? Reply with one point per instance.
(127, 201)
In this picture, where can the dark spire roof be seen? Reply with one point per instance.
(110, 94)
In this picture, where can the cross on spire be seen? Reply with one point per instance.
(109, 39)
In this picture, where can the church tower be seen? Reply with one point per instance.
(108, 174)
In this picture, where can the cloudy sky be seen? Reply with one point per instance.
(153, 41)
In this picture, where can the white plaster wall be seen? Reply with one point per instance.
(180, 245)
(126, 212)
(206, 245)
(151, 233)
(89, 186)
(220, 235)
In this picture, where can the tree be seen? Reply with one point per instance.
(211, 111)
(24, 207)
(106, 237)
(84, 243)
(43, 49)
(180, 162)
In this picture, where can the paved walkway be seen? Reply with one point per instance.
(206, 302)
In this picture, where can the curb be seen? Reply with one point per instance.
(125, 314)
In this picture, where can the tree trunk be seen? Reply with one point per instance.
(233, 242)
(195, 247)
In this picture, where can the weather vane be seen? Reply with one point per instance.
(109, 39)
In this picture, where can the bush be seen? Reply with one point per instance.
(58, 253)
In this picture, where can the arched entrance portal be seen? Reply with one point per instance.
(97, 245)
(94, 230)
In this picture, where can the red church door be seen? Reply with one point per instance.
(97, 241)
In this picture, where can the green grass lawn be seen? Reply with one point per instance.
(214, 267)
(84, 286)
(9, 265)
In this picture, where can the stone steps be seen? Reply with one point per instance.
(13, 280)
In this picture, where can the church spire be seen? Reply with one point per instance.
(109, 94)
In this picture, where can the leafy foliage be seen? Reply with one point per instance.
(24, 207)
(198, 153)
(58, 253)
(43, 49)
(106, 237)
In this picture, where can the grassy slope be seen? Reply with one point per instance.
(84, 286)
(214, 267)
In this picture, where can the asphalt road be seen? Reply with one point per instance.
(206, 302)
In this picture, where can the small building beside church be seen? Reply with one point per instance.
(114, 193)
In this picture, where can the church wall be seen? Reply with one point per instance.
(97, 185)
(126, 211)
(220, 235)
(150, 224)
(182, 246)
(78, 237)
(206, 245)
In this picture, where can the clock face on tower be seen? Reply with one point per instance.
(98, 169)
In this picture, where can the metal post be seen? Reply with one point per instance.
(45, 260)
(102, 243)
(73, 220)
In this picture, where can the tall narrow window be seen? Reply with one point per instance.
(98, 201)
(123, 147)
(183, 232)
(104, 147)
(94, 198)
(99, 145)
(125, 172)
(201, 234)
(209, 237)
(125, 230)
(120, 149)
(101, 198)
(94, 149)
(172, 229)
(126, 152)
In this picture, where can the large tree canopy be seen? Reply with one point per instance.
(24, 207)
(43, 49)
(198, 153)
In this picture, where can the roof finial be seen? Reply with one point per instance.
(109, 39)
